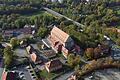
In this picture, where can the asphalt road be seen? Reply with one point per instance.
(107, 74)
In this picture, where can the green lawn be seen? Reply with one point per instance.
(39, 13)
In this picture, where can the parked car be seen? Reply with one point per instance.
(28, 67)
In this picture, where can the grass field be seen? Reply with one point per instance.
(39, 13)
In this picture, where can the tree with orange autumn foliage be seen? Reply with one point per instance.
(89, 53)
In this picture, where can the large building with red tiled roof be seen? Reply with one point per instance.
(61, 41)
(53, 65)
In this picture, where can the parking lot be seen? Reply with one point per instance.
(25, 73)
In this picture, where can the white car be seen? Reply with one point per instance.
(90, 77)
(28, 67)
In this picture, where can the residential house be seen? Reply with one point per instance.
(35, 58)
(33, 55)
(53, 65)
(15, 32)
(60, 41)
(1, 73)
(11, 75)
(7, 34)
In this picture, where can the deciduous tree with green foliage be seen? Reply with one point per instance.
(73, 60)
(14, 42)
(8, 56)
(42, 31)
(1, 37)
(118, 41)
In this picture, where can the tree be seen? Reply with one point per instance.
(8, 56)
(73, 60)
(77, 60)
(42, 31)
(89, 53)
(70, 59)
(118, 41)
(97, 52)
(1, 37)
(62, 25)
(14, 42)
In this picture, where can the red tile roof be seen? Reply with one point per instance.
(61, 35)
(4, 75)
(33, 57)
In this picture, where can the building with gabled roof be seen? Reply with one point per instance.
(60, 41)
(9, 75)
(53, 65)
(35, 58)
(16, 32)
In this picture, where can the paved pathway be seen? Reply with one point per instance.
(60, 15)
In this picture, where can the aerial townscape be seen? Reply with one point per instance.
(59, 39)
